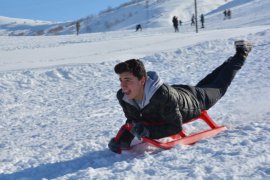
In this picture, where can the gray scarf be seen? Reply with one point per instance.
(152, 84)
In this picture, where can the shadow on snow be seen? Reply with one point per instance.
(95, 159)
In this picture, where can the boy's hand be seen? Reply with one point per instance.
(139, 131)
(114, 146)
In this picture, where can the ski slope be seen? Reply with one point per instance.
(155, 13)
(59, 110)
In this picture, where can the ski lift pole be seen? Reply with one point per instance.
(147, 12)
(196, 19)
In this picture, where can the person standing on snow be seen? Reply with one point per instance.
(77, 27)
(175, 24)
(180, 22)
(229, 13)
(225, 14)
(138, 27)
(202, 20)
(156, 110)
(193, 20)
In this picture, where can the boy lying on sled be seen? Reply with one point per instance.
(156, 110)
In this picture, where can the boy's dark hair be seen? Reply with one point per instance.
(134, 66)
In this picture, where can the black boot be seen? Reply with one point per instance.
(243, 47)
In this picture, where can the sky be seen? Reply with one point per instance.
(54, 10)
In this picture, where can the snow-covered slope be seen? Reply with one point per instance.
(58, 108)
(245, 13)
(155, 13)
(21, 27)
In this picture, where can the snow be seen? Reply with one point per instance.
(157, 13)
(16, 26)
(8, 20)
(58, 106)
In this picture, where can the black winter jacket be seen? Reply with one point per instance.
(168, 108)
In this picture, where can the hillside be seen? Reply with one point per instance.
(156, 13)
(21, 27)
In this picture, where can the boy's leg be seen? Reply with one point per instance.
(211, 77)
(214, 86)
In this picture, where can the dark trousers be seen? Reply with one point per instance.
(211, 88)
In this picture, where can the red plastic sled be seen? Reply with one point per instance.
(182, 137)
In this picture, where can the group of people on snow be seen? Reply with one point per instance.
(177, 22)
(201, 20)
(227, 14)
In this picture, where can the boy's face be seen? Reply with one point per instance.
(131, 86)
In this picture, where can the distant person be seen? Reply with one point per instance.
(229, 13)
(78, 27)
(180, 23)
(202, 20)
(175, 24)
(193, 20)
(138, 27)
(225, 14)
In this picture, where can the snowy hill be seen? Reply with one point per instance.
(58, 106)
(21, 27)
(155, 13)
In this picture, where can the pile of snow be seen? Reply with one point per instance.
(58, 106)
